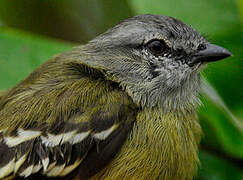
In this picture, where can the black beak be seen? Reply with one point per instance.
(210, 53)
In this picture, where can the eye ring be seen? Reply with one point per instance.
(157, 47)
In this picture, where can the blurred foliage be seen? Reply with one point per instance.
(220, 21)
(216, 168)
(20, 53)
(74, 20)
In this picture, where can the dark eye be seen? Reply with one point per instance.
(157, 47)
(201, 47)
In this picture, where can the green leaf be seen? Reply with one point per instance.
(215, 168)
(208, 16)
(220, 123)
(240, 7)
(20, 53)
(72, 20)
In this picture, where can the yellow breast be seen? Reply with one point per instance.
(160, 146)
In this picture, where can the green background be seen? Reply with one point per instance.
(33, 31)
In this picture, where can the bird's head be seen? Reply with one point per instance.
(156, 59)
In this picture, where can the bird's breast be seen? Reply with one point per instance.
(161, 146)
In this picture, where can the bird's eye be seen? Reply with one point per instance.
(157, 47)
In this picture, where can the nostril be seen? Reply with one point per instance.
(201, 47)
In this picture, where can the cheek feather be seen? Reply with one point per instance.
(169, 82)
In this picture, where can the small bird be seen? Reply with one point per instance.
(122, 106)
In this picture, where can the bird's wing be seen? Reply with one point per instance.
(53, 129)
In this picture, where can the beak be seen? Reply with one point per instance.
(210, 53)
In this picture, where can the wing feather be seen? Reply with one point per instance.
(52, 126)
(91, 153)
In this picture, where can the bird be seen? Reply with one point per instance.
(122, 106)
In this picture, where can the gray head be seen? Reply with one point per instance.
(156, 59)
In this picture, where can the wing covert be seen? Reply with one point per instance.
(84, 146)
(60, 121)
